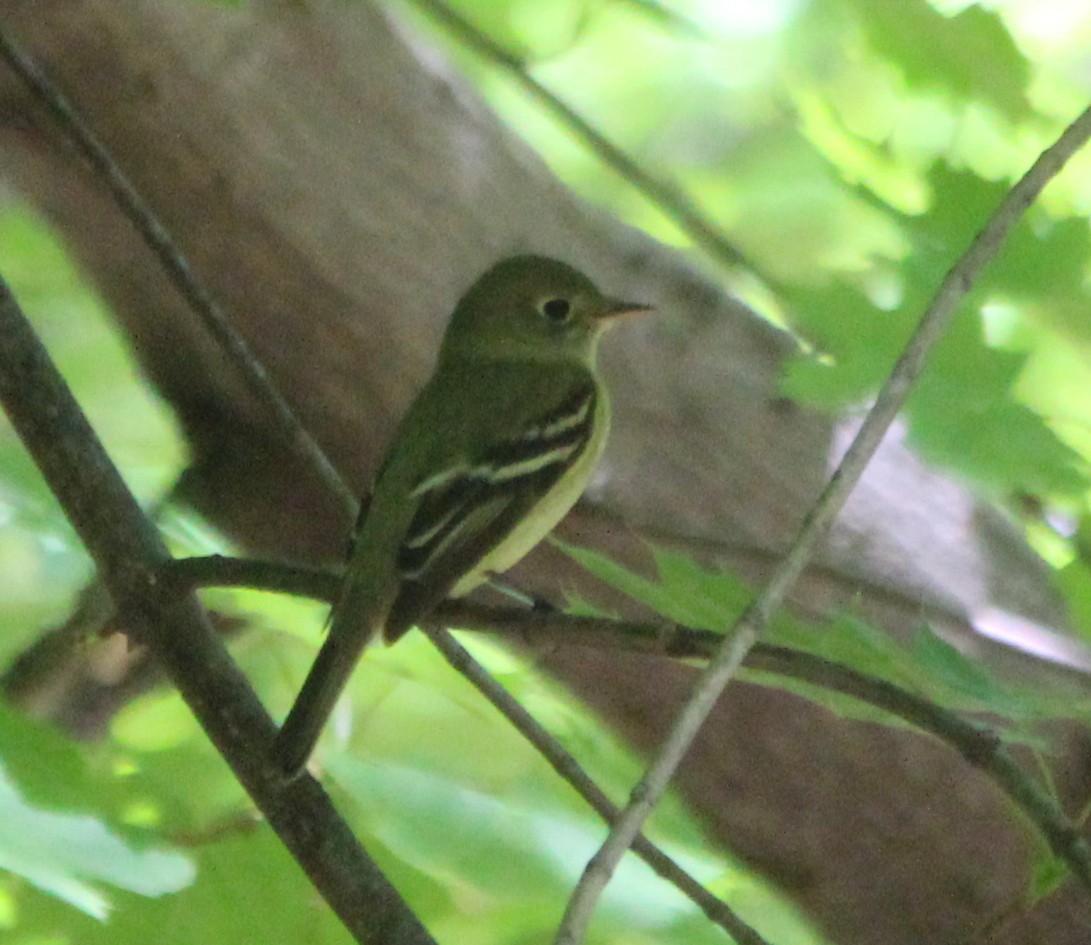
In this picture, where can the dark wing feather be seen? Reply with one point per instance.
(467, 512)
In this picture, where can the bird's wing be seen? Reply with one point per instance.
(475, 492)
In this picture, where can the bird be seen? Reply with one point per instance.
(496, 448)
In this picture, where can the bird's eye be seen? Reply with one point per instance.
(556, 310)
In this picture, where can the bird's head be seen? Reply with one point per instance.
(532, 307)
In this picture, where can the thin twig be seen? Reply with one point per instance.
(663, 194)
(671, 20)
(743, 635)
(977, 744)
(187, 574)
(570, 771)
(131, 556)
(177, 268)
(216, 570)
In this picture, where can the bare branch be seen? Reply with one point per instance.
(188, 573)
(570, 770)
(177, 268)
(131, 559)
(979, 745)
(744, 634)
(664, 194)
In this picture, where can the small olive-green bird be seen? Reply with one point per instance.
(494, 451)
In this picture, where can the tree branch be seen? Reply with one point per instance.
(187, 574)
(665, 195)
(723, 666)
(177, 268)
(744, 634)
(131, 560)
(979, 745)
(570, 771)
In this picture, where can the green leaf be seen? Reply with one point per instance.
(71, 856)
(502, 850)
(964, 411)
(928, 666)
(682, 592)
(441, 828)
(944, 667)
(248, 889)
(969, 57)
(1074, 582)
(1048, 873)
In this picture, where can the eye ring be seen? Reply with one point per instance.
(556, 309)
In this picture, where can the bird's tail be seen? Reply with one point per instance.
(327, 678)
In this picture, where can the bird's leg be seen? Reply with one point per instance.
(533, 601)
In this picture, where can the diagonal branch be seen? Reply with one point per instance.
(569, 770)
(131, 558)
(176, 266)
(978, 745)
(217, 571)
(664, 194)
(748, 628)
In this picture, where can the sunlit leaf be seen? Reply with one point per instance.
(72, 856)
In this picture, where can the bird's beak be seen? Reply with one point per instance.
(614, 308)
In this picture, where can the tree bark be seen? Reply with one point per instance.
(337, 186)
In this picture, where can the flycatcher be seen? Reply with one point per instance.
(492, 454)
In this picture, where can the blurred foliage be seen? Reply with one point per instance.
(928, 666)
(850, 149)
